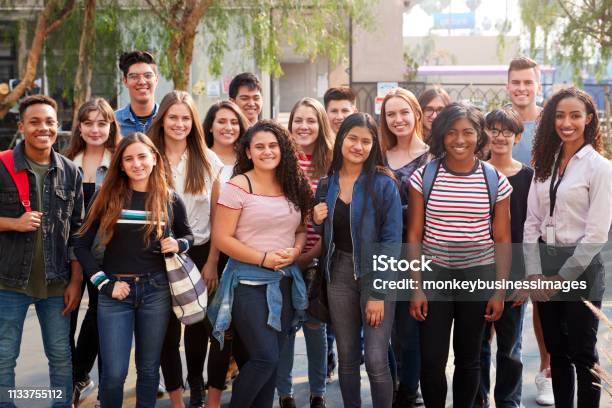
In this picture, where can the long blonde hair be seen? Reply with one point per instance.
(116, 193)
(198, 166)
(388, 139)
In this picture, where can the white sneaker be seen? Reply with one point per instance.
(545, 391)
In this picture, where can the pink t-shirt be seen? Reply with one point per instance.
(266, 223)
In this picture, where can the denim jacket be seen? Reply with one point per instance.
(62, 209)
(368, 238)
(129, 123)
(220, 310)
(102, 168)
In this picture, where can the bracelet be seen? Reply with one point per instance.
(263, 260)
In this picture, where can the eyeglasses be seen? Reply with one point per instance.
(430, 111)
(505, 133)
(147, 76)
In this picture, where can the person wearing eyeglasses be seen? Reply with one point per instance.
(432, 102)
(140, 78)
(505, 128)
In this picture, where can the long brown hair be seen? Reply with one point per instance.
(211, 115)
(198, 166)
(77, 144)
(116, 193)
(546, 142)
(388, 139)
(324, 144)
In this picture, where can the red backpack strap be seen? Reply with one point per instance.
(19, 177)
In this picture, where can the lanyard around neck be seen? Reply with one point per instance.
(555, 186)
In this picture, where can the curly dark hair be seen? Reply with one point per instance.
(546, 142)
(445, 120)
(289, 175)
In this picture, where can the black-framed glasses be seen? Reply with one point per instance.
(505, 133)
(430, 111)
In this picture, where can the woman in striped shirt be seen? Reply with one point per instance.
(311, 131)
(131, 212)
(457, 217)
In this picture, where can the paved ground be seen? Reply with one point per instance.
(32, 370)
(32, 367)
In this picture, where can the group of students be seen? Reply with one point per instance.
(244, 198)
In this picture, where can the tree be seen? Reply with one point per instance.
(82, 81)
(52, 16)
(587, 36)
(541, 14)
(312, 27)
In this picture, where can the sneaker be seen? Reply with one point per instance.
(317, 402)
(331, 366)
(161, 389)
(419, 398)
(81, 388)
(544, 385)
(286, 402)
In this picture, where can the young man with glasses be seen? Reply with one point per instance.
(140, 78)
(505, 128)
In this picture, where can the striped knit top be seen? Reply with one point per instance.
(457, 231)
(305, 162)
(126, 252)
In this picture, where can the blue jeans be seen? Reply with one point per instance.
(347, 302)
(254, 386)
(508, 377)
(408, 347)
(316, 351)
(55, 330)
(144, 315)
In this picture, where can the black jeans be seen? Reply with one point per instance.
(570, 334)
(86, 350)
(196, 342)
(468, 328)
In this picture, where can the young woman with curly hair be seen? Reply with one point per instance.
(193, 172)
(132, 212)
(456, 225)
(312, 133)
(361, 215)
(260, 222)
(568, 213)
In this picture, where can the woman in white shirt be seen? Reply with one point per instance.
(193, 172)
(568, 213)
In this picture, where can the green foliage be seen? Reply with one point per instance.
(62, 51)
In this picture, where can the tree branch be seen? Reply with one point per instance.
(61, 18)
(155, 8)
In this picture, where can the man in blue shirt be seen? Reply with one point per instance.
(140, 78)
(523, 87)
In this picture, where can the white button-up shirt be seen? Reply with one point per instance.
(581, 217)
(198, 206)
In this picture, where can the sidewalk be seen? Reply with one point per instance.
(32, 370)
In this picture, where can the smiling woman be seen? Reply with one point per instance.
(193, 171)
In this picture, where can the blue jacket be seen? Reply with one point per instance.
(220, 310)
(62, 208)
(368, 238)
(129, 123)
